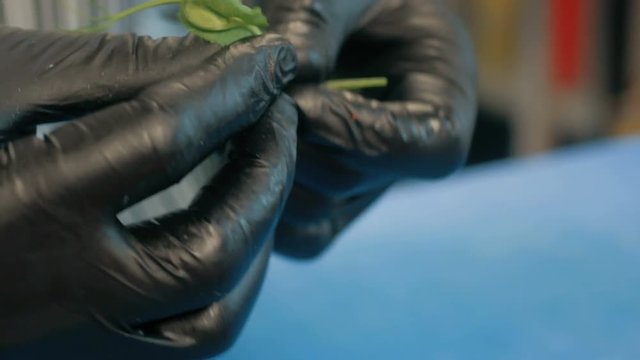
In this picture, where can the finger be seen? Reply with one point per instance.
(195, 257)
(213, 329)
(197, 334)
(54, 76)
(311, 220)
(402, 138)
(424, 124)
(134, 149)
(317, 30)
(324, 169)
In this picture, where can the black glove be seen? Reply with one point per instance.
(352, 147)
(76, 282)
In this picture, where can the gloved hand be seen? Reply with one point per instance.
(76, 283)
(353, 146)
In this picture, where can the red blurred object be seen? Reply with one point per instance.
(569, 26)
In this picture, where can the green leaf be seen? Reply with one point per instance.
(195, 15)
(221, 21)
(224, 37)
(235, 9)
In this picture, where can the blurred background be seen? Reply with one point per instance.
(551, 72)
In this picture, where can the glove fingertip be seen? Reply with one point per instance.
(281, 59)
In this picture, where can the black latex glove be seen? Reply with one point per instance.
(352, 147)
(77, 283)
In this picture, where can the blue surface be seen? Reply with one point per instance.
(533, 259)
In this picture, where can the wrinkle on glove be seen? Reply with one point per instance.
(79, 284)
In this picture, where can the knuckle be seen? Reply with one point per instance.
(221, 259)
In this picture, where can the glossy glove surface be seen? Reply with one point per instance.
(142, 113)
(353, 146)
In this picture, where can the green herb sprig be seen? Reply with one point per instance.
(224, 22)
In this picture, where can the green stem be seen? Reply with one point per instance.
(112, 19)
(356, 84)
(254, 30)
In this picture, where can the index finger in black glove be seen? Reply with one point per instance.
(56, 76)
